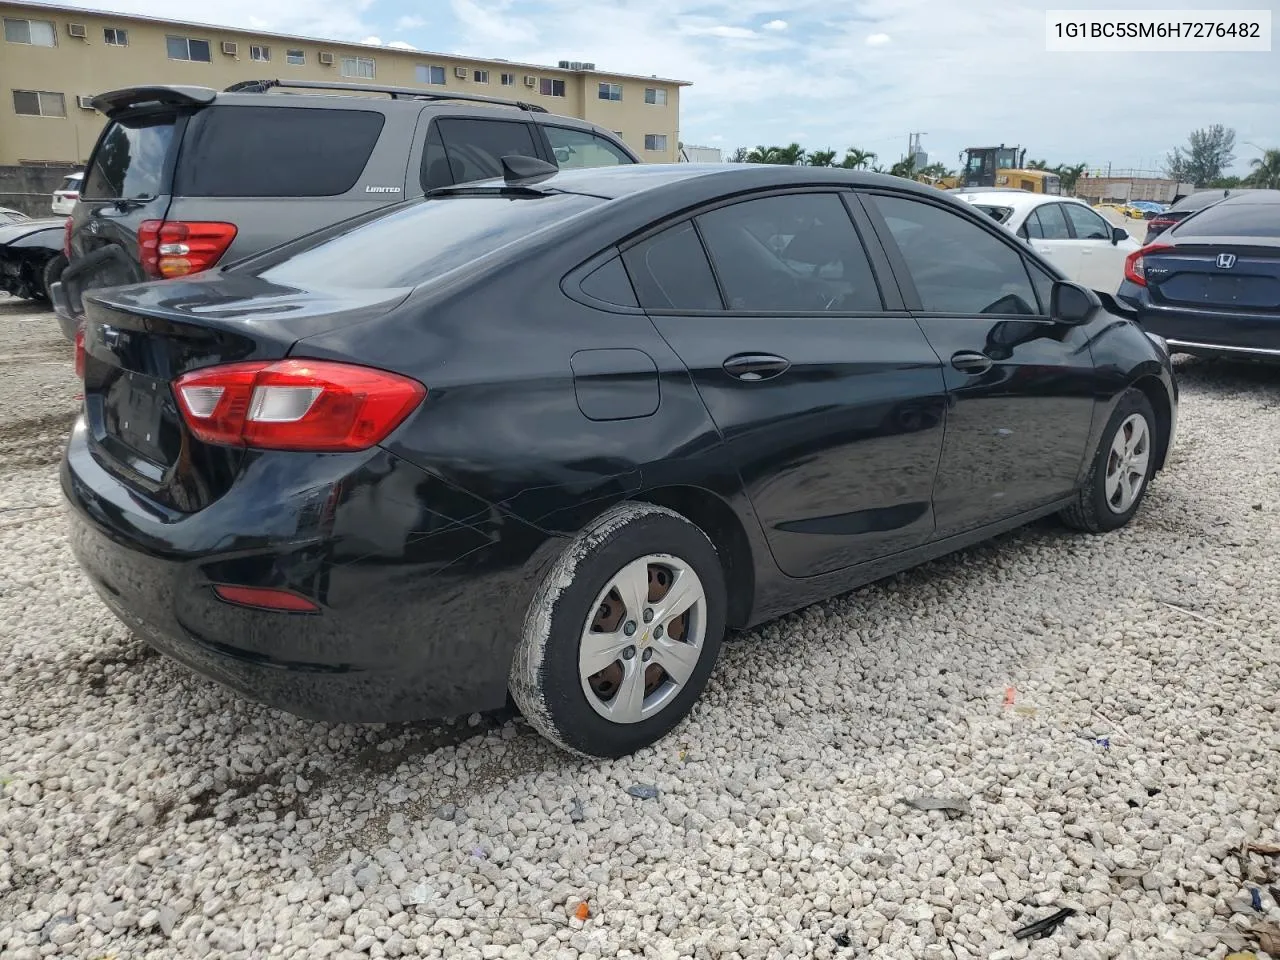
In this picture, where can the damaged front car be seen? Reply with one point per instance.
(31, 256)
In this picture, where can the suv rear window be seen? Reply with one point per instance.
(1233, 220)
(414, 243)
(275, 151)
(130, 158)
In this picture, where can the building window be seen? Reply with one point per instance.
(429, 74)
(655, 95)
(115, 37)
(39, 103)
(656, 142)
(508, 79)
(295, 58)
(185, 48)
(551, 88)
(259, 53)
(360, 67)
(480, 76)
(610, 91)
(38, 33)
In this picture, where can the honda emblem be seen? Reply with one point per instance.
(1226, 260)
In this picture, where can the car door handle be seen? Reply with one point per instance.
(755, 366)
(967, 362)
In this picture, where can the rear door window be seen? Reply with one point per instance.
(276, 151)
(582, 148)
(1048, 223)
(797, 252)
(129, 161)
(1088, 225)
(464, 149)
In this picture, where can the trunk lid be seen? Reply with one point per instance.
(138, 340)
(1226, 275)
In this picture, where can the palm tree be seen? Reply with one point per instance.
(822, 158)
(739, 155)
(1266, 173)
(937, 171)
(1069, 176)
(791, 155)
(1038, 165)
(855, 159)
(763, 155)
(905, 167)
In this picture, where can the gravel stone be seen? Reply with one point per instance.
(146, 812)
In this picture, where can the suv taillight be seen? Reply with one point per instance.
(174, 248)
(1134, 268)
(66, 239)
(316, 405)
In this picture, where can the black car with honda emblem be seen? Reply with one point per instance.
(1210, 286)
(184, 178)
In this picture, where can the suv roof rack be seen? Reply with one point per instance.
(262, 86)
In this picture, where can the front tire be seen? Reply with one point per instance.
(621, 638)
(1122, 468)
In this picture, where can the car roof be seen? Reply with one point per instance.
(1017, 199)
(1252, 197)
(623, 180)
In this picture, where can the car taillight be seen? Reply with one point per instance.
(1134, 269)
(80, 354)
(66, 239)
(174, 248)
(315, 405)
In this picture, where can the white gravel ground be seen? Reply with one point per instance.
(146, 813)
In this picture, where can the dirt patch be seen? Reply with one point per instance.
(36, 442)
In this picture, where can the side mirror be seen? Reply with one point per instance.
(1072, 304)
(1118, 234)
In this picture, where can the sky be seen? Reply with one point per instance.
(857, 73)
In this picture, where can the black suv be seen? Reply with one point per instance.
(183, 178)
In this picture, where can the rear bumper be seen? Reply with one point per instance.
(421, 588)
(1208, 332)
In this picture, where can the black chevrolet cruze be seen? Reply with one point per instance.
(550, 436)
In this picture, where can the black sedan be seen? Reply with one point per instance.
(1211, 285)
(552, 435)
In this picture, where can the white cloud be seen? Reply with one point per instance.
(776, 25)
(410, 23)
(716, 138)
(372, 41)
(723, 31)
(878, 39)
(401, 45)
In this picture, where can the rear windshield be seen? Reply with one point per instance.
(130, 159)
(1233, 220)
(70, 183)
(417, 242)
(276, 151)
(998, 214)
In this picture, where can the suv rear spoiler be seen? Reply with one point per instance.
(129, 98)
(395, 93)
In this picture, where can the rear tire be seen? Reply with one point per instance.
(1122, 468)
(52, 273)
(634, 561)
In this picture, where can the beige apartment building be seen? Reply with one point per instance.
(54, 59)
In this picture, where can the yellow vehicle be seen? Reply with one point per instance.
(1003, 167)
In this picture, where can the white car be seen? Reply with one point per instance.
(65, 197)
(1068, 232)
